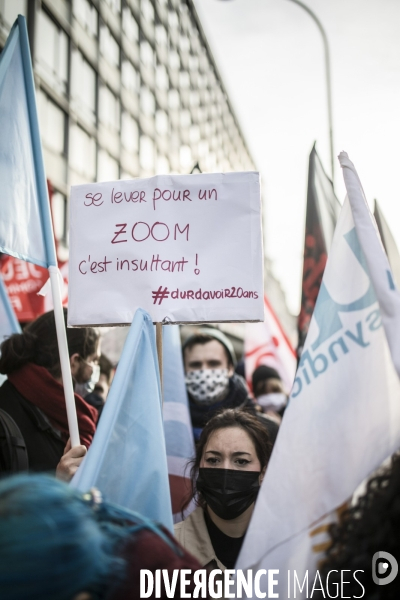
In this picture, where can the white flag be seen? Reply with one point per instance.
(343, 417)
(267, 344)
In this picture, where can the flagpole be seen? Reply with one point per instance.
(160, 355)
(48, 234)
(64, 356)
(328, 80)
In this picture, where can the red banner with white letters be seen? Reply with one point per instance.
(23, 281)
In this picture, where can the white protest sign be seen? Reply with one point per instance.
(185, 248)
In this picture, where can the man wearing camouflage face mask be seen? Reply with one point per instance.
(211, 382)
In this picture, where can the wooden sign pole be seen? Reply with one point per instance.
(160, 356)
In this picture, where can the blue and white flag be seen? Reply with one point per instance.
(177, 423)
(376, 260)
(127, 459)
(25, 226)
(343, 418)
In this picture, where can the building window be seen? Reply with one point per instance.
(52, 123)
(184, 44)
(83, 86)
(147, 11)
(203, 148)
(161, 122)
(129, 25)
(130, 77)
(185, 119)
(193, 63)
(129, 133)
(115, 5)
(10, 9)
(185, 157)
(52, 53)
(146, 156)
(173, 60)
(109, 47)
(184, 80)
(162, 82)
(82, 152)
(173, 99)
(194, 99)
(60, 220)
(201, 81)
(109, 109)
(147, 101)
(146, 54)
(161, 35)
(108, 169)
(194, 134)
(173, 20)
(162, 165)
(87, 16)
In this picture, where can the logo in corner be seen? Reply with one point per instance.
(384, 568)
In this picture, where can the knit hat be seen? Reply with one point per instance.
(217, 335)
(262, 373)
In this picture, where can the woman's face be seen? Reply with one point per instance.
(230, 448)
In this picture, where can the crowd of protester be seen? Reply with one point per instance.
(61, 545)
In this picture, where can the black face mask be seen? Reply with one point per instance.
(228, 492)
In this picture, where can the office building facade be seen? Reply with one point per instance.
(125, 88)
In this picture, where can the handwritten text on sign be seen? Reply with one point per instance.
(186, 248)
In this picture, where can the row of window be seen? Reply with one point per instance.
(130, 100)
(82, 146)
(52, 62)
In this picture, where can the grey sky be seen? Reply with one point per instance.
(270, 56)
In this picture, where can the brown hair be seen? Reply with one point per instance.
(38, 344)
(229, 417)
(106, 367)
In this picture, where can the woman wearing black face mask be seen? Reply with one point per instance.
(231, 460)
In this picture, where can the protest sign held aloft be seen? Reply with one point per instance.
(186, 248)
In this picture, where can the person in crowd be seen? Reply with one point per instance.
(211, 382)
(371, 525)
(33, 394)
(268, 391)
(231, 460)
(96, 394)
(56, 544)
(70, 461)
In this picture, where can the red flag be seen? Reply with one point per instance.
(321, 216)
(267, 344)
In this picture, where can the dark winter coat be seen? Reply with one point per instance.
(43, 443)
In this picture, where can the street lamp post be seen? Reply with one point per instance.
(328, 80)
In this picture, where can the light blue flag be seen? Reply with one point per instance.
(177, 423)
(25, 221)
(127, 460)
(8, 321)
